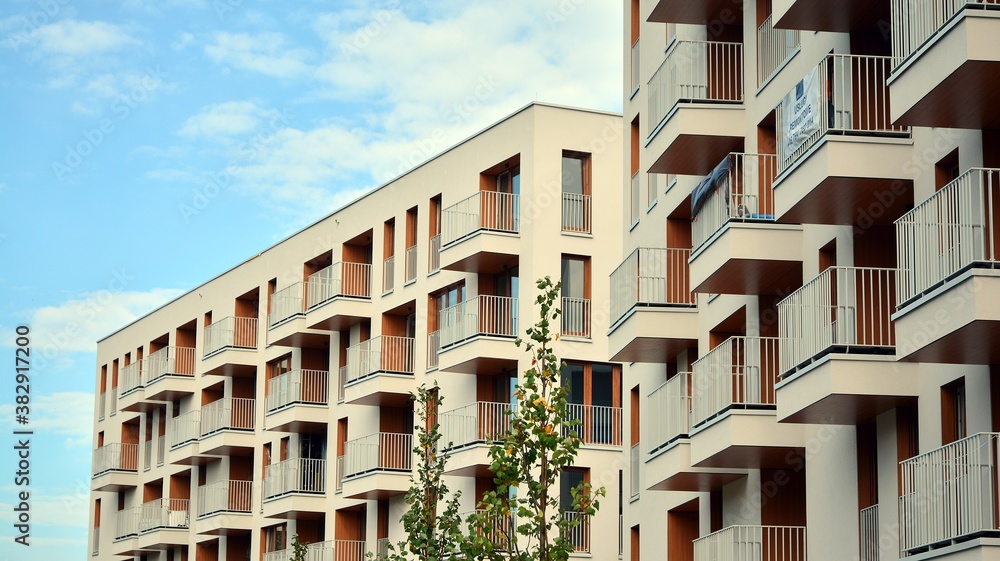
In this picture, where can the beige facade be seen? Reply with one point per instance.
(807, 304)
(273, 399)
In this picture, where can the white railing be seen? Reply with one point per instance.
(949, 493)
(296, 475)
(147, 455)
(576, 213)
(433, 348)
(579, 535)
(853, 99)
(696, 71)
(774, 48)
(287, 303)
(384, 353)
(847, 307)
(228, 413)
(598, 424)
(340, 474)
(127, 522)
(388, 274)
(741, 192)
(130, 378)
(868, 534)
(236, 332)
(161, 450)
(377, 452)
(948, 232)
(636, 68)
(410, 264)
(495, 527)
(117, 456)
(480, 315)
(475, 423)
(225, 496)
(651, 276)
(668, 410)
(185, 428)
(575, 317)
(635, 469)
(298, 386)
(382, 549)
(341, 382)
(635, 204)
(741, 371)
(652, 188)
(486, 210)
(96, 549)
(164, 513)
(114, 402)
(914, 22)
(168, 361)
(434, 254)
(332, 550)
(753, 543)
(339, 279)
(101, 404)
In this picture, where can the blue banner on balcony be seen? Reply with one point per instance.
(800, 110)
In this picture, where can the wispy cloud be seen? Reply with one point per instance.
(265, 53)
(76, 38)
(67, 414)
(229, 119)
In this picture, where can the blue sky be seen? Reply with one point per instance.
(149, 145)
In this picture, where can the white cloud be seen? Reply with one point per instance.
(264, 53)
(233, 118)
(79, 38)
(67, 414)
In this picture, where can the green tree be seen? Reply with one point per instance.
(299, 549)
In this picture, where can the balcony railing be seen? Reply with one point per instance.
(339, 279)
(485, 211)
(579, 535)
(649, 277)
(914, 22)
(575, 317)
(481, 315)
(384, 353)
(231, 332)
(164, 513)
(753, 543)
(774, 48)
(117, 456)
(434, 254)
(433, 348)
(381, 451)
(161, 450)
(576, 213)
(696, 72)
(950, 231)
(949, 493)
(739, 189)
(869, 533)
(147, 455)
(298, 386)
(287, 303)
(497, 528)
(669, 411)
(382, 549)
(410, 264)
(598, 424)
(130, 378)
(341, 382)
(852, 97)
(740, 372)
(846, 308)
(169, 361)
(127, 522)
(475, 423)
(114, 402)
(333, 550)
(225, 496)
(102, 400)
(185, 428)
(635, 469)
(635, 203)
(229, 413)
(388, 274)
(340, 474)
(297, 475)
(96, 549)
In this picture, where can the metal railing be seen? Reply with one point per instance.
(598, 424)
(114, 402)
(168, 361)
(480, 315)
(130, 378)
(225, 496)
(434, 254)
(381, 451)
(287, 303)
(96, 549)
(185, 428)
(388, 274)
(579, 534)
(341, 383)
(696, 72)
(951, 230)
(433, 348)
(853, 99)
(332, 550)
(915, 22)
(298, 386)
(869, 534)
(296, 475)
(340, 474)
(117, 456)
(161, 450)
(843, 307)
(382, 549)
(774, 48)
(475, 423)
(164, 513)
(102, 400)
(147, 455)
(340, 279)
(127, 522)
(651, 276)
(753, 543)
(636, 67)
(384, 353)
(576, 213)
(635, 204)
(739, 372)
(486, 210)
(575, 317)
(235, 332)
(652, 188)
(668, 411)
(228, 413)
(743, 193)
(410, 264)
(635, 469)
(495, 527)
(949, 493)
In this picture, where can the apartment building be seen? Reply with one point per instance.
(273, 400)
(807, 302)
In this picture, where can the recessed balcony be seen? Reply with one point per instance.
(169, 373)
(163, 524)
(477, 335)
(467, 432)
(225, 507)
(332, 550)
(377, 466)
(116, 466)
(227, 425)
(295, 488)
(379, 371)
(339, 296)
(227, 347)
(185, 430)
(297, 401)
(753, 543)
(480, 234)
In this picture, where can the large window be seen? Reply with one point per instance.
(576, 192)
(575, 295)
(595, 401)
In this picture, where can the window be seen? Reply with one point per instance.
(575, 305)
(576, 192)
(274, 538)
(595, 401)
(954, 424)
(571, 478)
(410, 258)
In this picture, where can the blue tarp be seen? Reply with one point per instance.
(708, 186)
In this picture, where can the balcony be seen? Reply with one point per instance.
(225, 506)
(841, 160)
(332, 550)
(949, 495)
(163, 524)
(295, 488)
(339, 296)
(695, 11)
(598, 425)
(377, 466)
(466, 434)
(946, 61)
(574, 321)
(947, 253)
(477, 334)
(434, 254)
(653, 310)
(868, 534)
(131, 396)
(838, 349)
(388, 274)
(126, 531)
(738, 247)
(227, 425)
(169, 373)
(185, 430)
(497, 528)
(842, 17)
(775, 47)
(479, 234)
(576, 213)
(115, 466)
(225, 344)
(696, 107)
(410, 265)
(579, 531)
(380, 371)
(753, 543)
(297, 401)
